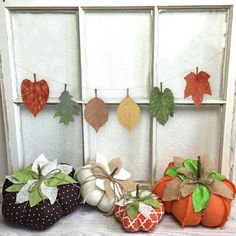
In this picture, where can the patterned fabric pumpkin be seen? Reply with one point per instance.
(39, 195)
(139, 211)
(195, 193)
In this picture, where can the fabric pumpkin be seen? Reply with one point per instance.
(195, 193)
(37, 206)
(103, 183)
(139, 211)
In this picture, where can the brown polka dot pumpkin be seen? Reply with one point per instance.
(44, 214)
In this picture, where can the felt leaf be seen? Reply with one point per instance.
(23, 194)
(219, 176)
(128, 196)
(152, 202)
(96, 113)
(34, 94)
(66, 169)
(101, 159)
(25, 175)
(49, 192)
(49, 168)
(197, 85)
(59, 179)
(36, 196)
(67, 108)
(145, 210)
(172, 171)
(200, 198)
(191, 164)
(133, 210)
(12, 179)
(128, 113)
(40, 161)
(161, 104)
(14, 188)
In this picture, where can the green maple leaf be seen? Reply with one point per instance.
(67, 108)
(161, 104)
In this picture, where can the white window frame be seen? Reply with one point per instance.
(11, 101)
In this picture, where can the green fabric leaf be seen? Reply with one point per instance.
(67, 108)
(59, 179)
(172, 171)
(200, 198)
(128, 196)
(132, 210)
(191, 164)
(161, 104)
(24, 175)
(218, 176)
(181, 176)
(14, 188)
(152, 202)
(35, 196)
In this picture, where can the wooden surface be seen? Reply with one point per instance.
(88, 220)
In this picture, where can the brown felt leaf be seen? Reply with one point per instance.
(96, 113)
(197, 86)
(128, 113)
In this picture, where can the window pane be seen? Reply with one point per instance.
(47, 44)
(44, 134)
(189, 134)
(118, 52)
(113, 140)
(187, 39)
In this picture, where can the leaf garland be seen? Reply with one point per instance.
(34, 94)
(161, 104)
(197, 85)
(96, 112)
(67, 108)
(128, 112)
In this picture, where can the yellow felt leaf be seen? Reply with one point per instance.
(128, 113)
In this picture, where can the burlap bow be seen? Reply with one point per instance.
(112, 185)
(177, 188)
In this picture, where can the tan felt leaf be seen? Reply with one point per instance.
(128, 113)
(96, 113)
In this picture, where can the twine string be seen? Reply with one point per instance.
(117, 89)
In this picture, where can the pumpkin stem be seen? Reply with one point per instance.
(65, 87)
(127, 91)
(34, 78)
(96, 92)
(39, 171)
(114, 171)
(198, 167)
(137, 191)
(161, 86)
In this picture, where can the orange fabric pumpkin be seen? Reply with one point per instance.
(213, 215)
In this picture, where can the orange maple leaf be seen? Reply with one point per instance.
(197, 86)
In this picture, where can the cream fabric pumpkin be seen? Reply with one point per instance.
(93, 189)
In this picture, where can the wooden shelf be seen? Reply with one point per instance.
(89, 221)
